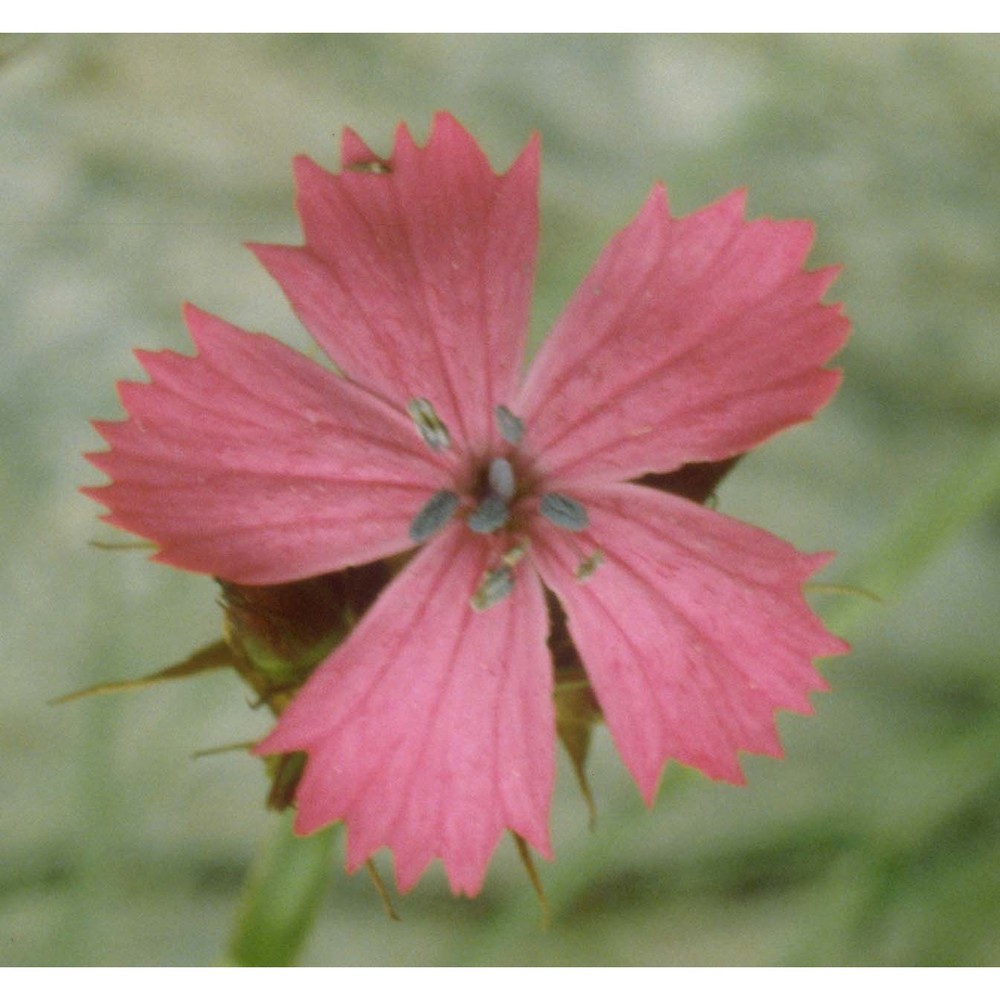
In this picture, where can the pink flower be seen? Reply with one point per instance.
(430, 728)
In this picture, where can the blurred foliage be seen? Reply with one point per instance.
(131, 170)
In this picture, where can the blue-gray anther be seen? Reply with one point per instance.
(491, 514)
(501, 478)
(495, 585)
(511, 428)
(563, 512)
(430, 425)
(434, 515)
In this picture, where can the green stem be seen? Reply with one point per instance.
(282, 897)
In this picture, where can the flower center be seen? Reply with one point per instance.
(496, 503)
(493, 511)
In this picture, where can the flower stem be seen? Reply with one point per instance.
(282, 896)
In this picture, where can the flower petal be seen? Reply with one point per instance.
(431, 728)
(416, 278)
(691, 340)
(255, 464)
(693, 630)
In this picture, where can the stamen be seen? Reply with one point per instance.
(430, 425)
(516, 553)
(491, 514)
(434, 515)
(495, 585)
(587, 566)
(501, 478)
(511, 428)
(563, 512)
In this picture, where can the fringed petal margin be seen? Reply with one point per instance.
(693, 630)
(252, 463)
(416, 276)
(691, 340)
(431, 729)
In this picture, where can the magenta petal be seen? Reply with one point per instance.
(691, 340)
(693, 629)
(431, 729)
(416, 280)
(252, 463)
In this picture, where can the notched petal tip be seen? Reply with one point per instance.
(305, 168)
(445, 127)
(736, 201)
(659, 198)
(311, 182)
(528, 163)
(106, 429)
(95, 492)
(354, 151)
(729, 772)
(654, 213)
(205, 329)
(729, 211)
(148, 360)
(447, 138)
(193, 315)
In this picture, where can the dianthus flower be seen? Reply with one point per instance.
(430, 729)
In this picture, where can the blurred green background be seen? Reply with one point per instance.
(132, 169)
